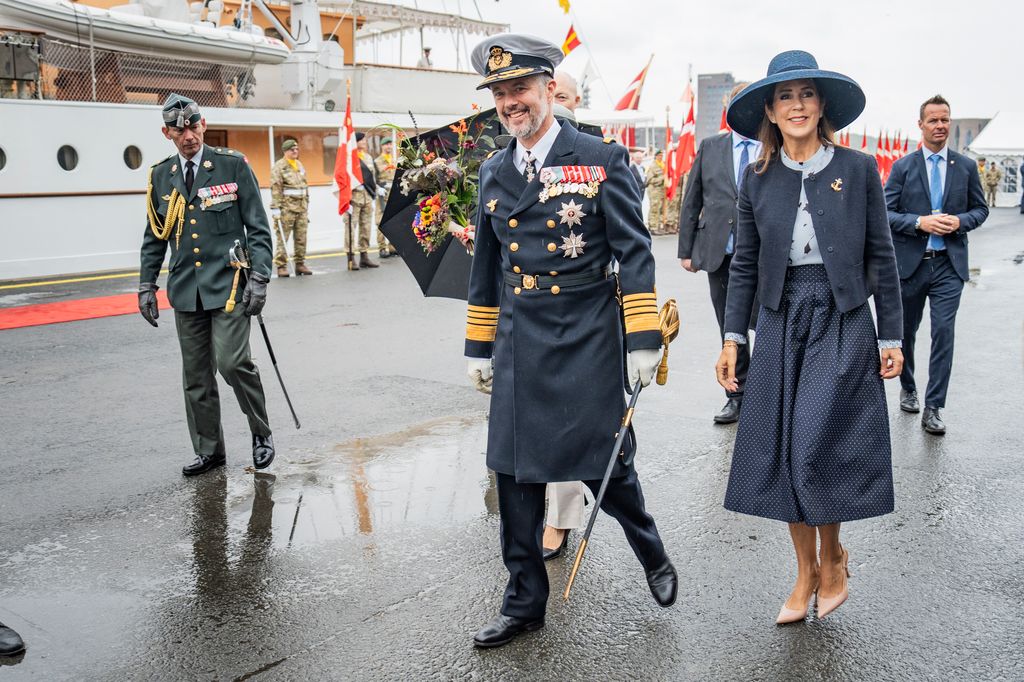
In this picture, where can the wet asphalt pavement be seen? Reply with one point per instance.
(370, 549)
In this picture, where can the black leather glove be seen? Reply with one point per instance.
(255, 295)
(147, 302)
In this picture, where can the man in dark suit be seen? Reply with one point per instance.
(556, 207)
(934, 199)
(707, 230)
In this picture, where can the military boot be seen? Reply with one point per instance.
(282, 271)
(301, 269)
(365, 262)
(352, 264)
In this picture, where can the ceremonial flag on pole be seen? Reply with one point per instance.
(896, 148)
(879, 158)
(347, 173)
(564, 4)
(906, 146)
(668, 156)
(631, 100)
(864, 140)
(887, 158)
(686, 147)
(687, 94)
(571, 42)
(723, 125)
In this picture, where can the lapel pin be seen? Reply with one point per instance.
(492, 204)
(837, 185)
(174, 168)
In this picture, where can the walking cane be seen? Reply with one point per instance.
(669, 323)
(240, 261)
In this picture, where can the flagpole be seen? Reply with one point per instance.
(590, 55)
(664, 157)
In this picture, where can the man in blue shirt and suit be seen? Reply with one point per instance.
(934, 199)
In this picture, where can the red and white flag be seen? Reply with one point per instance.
(686, 147)
(864, 141)
(723, 125)
(347, 172)
(631, 100)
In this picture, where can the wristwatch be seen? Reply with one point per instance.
(917, 223)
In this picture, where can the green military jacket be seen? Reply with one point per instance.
(224, 205)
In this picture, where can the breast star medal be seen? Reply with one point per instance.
(837, 185)
(572, 246)
(492, 204)
(571, 214)
(207, 164)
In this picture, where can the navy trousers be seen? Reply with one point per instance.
(522, 529)
(936, 281)
(718, 282)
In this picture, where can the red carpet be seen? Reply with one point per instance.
(69, 311)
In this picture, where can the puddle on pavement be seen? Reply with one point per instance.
(430, 474)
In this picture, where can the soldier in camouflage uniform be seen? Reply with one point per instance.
(674, 206)
(385, 165)
(656, 192)
(289, 205)
(360, 219)
(991, 180)
(200, 201)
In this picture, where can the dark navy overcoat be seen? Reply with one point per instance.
(558, 395)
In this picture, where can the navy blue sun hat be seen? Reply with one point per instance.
(844, 100)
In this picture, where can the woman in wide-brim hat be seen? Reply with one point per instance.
(813, 241)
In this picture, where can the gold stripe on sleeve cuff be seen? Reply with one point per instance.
(481, 323)
(650, 297)
(644, 322)
(475, 332)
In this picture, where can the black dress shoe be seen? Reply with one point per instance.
(203, 463)
(262, 451)
(730, 414)
(550, 554)
(932, 422)
(664, 583)
(503, 629)
(908, 401)
(10, 643)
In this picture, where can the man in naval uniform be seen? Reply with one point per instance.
(201, 200)
(556, 207)
(289, 204)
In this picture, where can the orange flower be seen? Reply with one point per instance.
(460, 128)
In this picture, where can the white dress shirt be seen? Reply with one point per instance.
(539, 151)
(803, 250)
(197, 159)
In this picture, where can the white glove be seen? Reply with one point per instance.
(641, 364)
(479, 372)
(381, 192)
(275, 212)
(348, 211)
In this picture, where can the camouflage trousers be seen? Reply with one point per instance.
(292, 223)
(382, 241)
(359, 222)
(990, 194)
(655, 219)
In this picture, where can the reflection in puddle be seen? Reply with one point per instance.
(431, 474)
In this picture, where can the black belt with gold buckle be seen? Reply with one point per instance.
(930, 253)
(560, 281)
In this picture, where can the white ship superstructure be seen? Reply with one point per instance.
(79, 119)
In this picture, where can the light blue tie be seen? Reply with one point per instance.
(936, 242)
(744, 162)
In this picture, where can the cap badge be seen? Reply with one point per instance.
(500, 59)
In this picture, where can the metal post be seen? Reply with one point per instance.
(270, 141)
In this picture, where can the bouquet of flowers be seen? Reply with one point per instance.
(444, 177)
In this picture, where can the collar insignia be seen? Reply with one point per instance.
(492, 204)
(837, 185)
(207, 164)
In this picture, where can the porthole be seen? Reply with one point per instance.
(132, 157)
(3, 158)
(67, 157)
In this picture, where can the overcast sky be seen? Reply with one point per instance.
(900, 51)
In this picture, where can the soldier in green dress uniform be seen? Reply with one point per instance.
(200, 200)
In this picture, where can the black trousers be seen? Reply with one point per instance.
(718, 281)
(522, 527)
(936, 281)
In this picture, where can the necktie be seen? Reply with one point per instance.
(730, 246)
(531, 168)
(190, 176)
(936, 242)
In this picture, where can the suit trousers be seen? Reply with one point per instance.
(565, 504)
(214, 341)
(718, 282)
(522, 528)
(937, 281)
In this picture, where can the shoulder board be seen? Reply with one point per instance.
(224, 151)
(609, 140)
(492, 153)
(163, 161)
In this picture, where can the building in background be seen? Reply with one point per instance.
(962, 132)
(712, 91)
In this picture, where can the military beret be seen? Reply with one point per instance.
(511, 55)
(180, 111)
(289, 144)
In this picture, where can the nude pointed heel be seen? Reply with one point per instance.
(827, 605)
(788, 615)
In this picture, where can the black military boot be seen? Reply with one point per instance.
(262, 451)
(365, 262)
(11, 644)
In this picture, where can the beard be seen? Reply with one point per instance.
(529, 126)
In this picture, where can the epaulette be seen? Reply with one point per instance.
(161, 161)
(492, 153)
(225, 151)
(609, 140)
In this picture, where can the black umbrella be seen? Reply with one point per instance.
(445, 271)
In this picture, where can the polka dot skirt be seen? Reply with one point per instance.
(813, 440)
